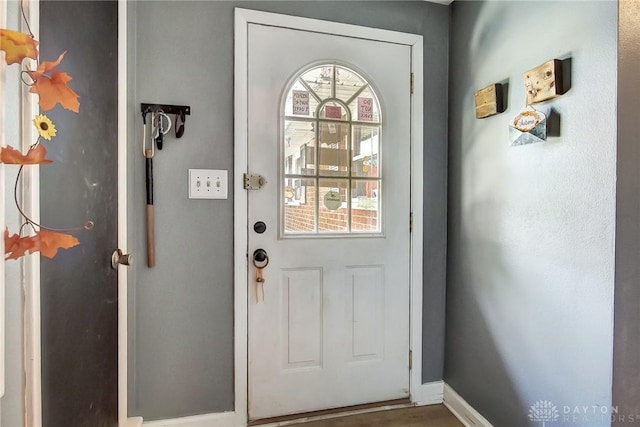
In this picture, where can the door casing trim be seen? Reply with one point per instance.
(123, 244)
(30, 191)
(244, 17)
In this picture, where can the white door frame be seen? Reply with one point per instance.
(3, 24)
(243, 18)
(30, 189)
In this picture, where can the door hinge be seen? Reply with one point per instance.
(410, 222)
(410, 359)
(253, 181)
(411, 83)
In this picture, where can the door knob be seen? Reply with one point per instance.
(260, 258)
(118, 257)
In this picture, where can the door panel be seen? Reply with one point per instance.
(79, 303)
(332, 329)
(366, 289)
(302, 317)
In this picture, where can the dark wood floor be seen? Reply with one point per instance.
(420, 416)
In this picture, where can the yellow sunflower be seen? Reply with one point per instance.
(45, 126)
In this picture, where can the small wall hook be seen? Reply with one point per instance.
(180, 119)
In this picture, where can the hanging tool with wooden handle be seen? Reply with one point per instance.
(151, 250)
(148, 150)
(158, 130)
(148, 154)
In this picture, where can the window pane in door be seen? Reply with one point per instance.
(333, 215)
(300, 102)
(348, 83)
(299, 205)
(364, 108)
(331, 165)
(320, 80)
(366, 144)
(334, 149)
(334, 111)
(299, 148)
(365, 206)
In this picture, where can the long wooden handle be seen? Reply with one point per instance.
(151, 249)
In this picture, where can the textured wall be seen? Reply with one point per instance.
(181, 315)
(626, 368)
(530, 269)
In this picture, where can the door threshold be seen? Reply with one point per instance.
(332, 413)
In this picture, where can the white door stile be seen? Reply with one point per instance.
(243, 18)
(3, 24)
(123, 243)
(417, 160)
(240, 210)
(30, 193)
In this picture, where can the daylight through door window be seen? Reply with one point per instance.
(331, 181)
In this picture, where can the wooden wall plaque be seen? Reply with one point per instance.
(489, 101)
(544, 82)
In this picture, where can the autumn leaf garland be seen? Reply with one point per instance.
(45, 241)
(51, 87)
(35, 156)
(17, 46)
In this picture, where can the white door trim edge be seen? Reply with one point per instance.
(123, 244)
(3, 24)
(30, 189)
(243, 18)
(428, 394)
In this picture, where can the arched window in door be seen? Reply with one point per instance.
(331, 171)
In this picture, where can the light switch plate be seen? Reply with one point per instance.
(208, 184)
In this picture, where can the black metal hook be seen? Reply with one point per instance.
(179, 126)
(180, 111)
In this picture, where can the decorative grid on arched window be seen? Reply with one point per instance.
(331, 153)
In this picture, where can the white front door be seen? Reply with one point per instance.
(329, 130)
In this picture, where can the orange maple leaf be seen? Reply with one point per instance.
(55, 90)
(17, 46)
(52, 88)
(46, 66)
(51, 241)
(36, 155)
(16, 246)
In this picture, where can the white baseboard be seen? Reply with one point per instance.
(428, 394)
(222, 419)
(462, 410)
(133, 422)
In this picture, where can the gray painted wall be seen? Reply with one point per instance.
(626, 365)
(530, 274)
(181, 331)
